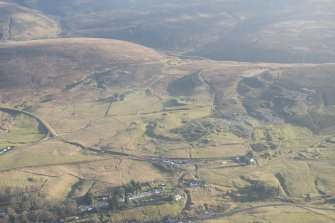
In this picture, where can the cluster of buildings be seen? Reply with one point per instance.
(145, 194)
(103, 200)
(196, 183)
(172, 164)
(96, 206)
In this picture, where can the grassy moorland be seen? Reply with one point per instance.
(122, 112)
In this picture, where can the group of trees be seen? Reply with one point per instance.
(120, 197)
(29, 205)
(133, 187)
(123, 193)
(257, 191)
(28, 198)
(51, 212)
(27, 217)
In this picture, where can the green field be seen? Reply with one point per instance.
(22, 130)
(42, 154)
(120, 112)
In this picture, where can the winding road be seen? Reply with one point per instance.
(51, 131)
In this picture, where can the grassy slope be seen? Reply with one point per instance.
(24, 130)
(81, 114)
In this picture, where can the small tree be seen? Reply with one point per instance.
(89, 198)
(138, 187)
(115, 203)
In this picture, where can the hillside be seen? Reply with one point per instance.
(56, 63)
(21, 23)
(84, 117)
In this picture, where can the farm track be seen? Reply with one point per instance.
(38, 174)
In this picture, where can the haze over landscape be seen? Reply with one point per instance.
(167, 111)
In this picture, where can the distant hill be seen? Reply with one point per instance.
(294, 31)
(56, 63)
(20, 23)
